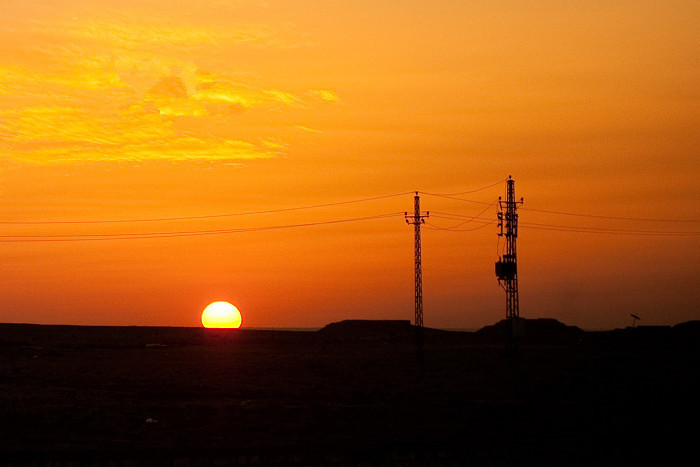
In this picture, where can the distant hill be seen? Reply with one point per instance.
(539, 329)
(381, 330)
(367, 329)
(687, 334)
(690, 327)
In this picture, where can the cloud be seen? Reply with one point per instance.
(58, 135)
(308, 129)
(172, 86)
(129, 34)
(121, 91)
(282, 96)
(145, 35)
(14, 78)
(137, 129)
(326, 95)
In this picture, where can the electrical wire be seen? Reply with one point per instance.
(191, 233)
(455, 227)
(468, 218)
(597, 216)
(464, 219)
(469, 191)
(553, 227)
(212, 216)
(461, 219)
(269, 211)
(430, 226)
(602, 230)
(455, 198)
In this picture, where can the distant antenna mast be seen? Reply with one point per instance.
(417, 219)
(507, 266)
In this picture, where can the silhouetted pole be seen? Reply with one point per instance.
(417, 219)
(507, 266)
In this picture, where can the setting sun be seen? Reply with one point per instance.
(221, 315)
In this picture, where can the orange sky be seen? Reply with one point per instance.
(124, 110)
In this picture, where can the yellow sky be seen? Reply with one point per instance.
(123, 110)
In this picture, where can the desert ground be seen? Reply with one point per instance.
(353, 393)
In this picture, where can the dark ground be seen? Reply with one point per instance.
(350, 394)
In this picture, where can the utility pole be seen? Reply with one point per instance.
(417, 219)
(507, 266)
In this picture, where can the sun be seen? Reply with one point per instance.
(221, 315)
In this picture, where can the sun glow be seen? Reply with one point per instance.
(221, 315)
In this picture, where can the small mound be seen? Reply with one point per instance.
(687, 333)
(367, 329)
(690, 327)
(540, 329)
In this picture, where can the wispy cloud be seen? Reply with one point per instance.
(282, 96)
(55, 135)
(117, 91)
(129, 34)
(139, 35)
(310, 130)
(326, 95)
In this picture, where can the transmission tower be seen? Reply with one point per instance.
(507, 265)
(417, 219)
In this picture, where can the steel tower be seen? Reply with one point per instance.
(416, 220)
(507, 265)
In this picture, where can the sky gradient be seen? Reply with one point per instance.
(156, 114)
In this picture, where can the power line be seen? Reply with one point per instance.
(211, 216)
(469, 191)
(431, 226)
(247, 213)
(456, 227)
(461, 219)
(574, 214)
(455, 216)
(472, 218)
(554, 227)
(439, 195)
(598, 216)
(464, 219)
(454, 196)
(602, 230)
(191, 233)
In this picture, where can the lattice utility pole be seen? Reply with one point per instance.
(417, 219)
(507, 266)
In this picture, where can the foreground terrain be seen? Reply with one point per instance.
(349, 394)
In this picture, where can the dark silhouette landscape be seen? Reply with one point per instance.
(351, 393)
